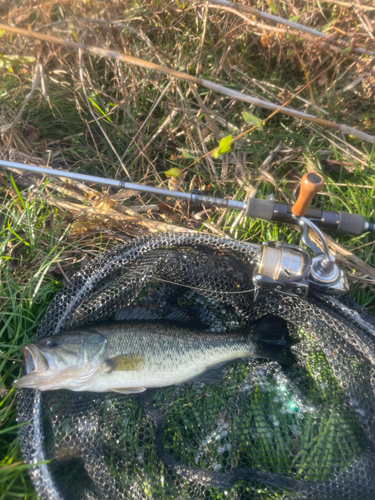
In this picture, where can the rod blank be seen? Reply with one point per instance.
(191, 197)
(259, 209)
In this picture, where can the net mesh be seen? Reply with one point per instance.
(302, 431)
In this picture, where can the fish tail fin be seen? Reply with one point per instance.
(268, 336)
(270, 330)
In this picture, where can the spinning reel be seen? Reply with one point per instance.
(289, 269)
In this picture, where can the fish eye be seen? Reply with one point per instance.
(53, 342)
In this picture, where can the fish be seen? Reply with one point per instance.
(134, 355)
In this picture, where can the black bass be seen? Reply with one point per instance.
(131, 356)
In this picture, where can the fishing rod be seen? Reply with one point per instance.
(268, 209)
(287, 269)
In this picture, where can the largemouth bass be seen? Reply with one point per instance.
(131, 356)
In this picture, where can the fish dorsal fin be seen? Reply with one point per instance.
(175, 314)
(125, 363)
(135, 312)
(129, 390)
(180, 316)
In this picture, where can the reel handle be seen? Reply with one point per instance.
(311, 184)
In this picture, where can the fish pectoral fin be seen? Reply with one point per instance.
(125, 362)
(132, 390)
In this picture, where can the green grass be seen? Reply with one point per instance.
(35, 237)
(32, 239)
(25, 292)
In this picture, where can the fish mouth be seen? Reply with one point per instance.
(36, 364)
(43, 374)
(35, 361)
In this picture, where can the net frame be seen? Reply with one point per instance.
(91, 296)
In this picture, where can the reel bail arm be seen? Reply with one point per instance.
(324, 273)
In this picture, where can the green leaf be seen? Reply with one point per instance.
(13, 61)
(224, 147)
(254, 120)
(99, 109)
(173, 172)
(273, 8)
(17, 191)
(328, 25)
(185, 154)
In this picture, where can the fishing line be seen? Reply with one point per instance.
(135, 273)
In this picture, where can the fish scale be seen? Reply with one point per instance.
(173, 353)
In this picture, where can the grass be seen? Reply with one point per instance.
(41, 245)
(25, 293)
(32, 241)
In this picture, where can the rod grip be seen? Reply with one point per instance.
(311, 184)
